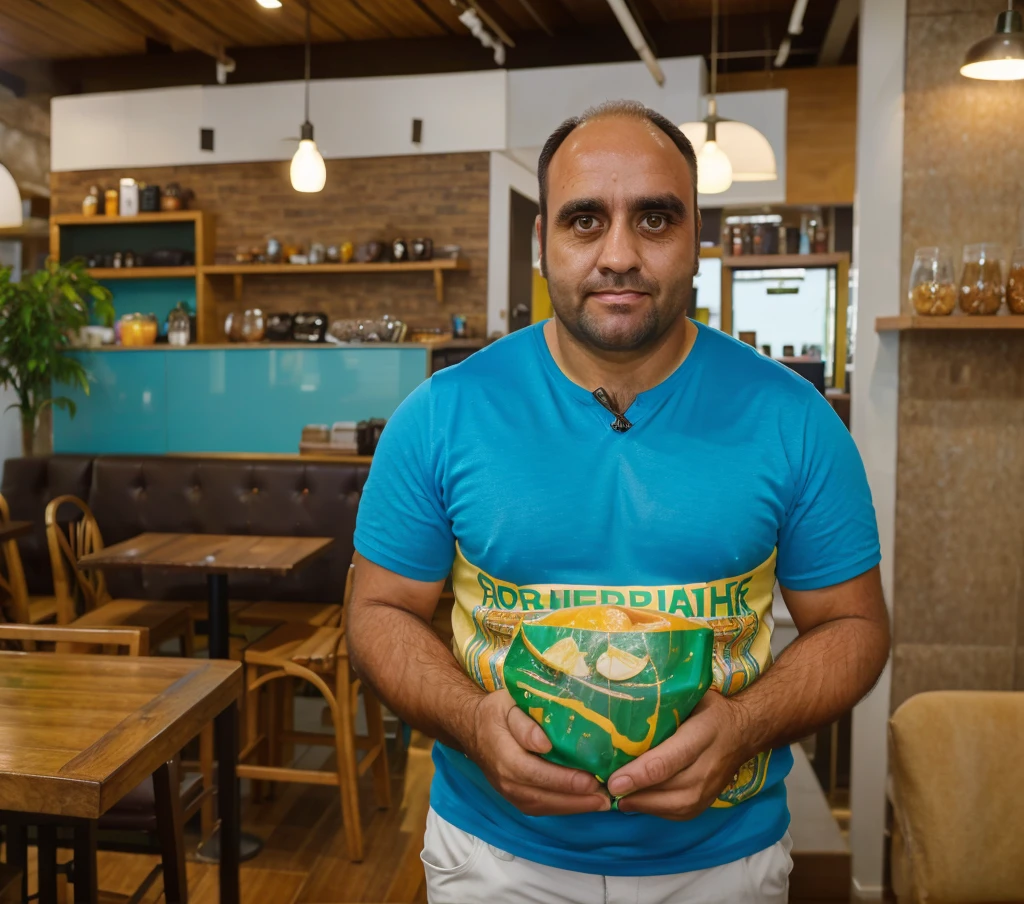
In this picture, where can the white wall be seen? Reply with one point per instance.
(10, 426)
(10, 420)
(877, 242)
(506, 175)
(369, 117)
(540, 99)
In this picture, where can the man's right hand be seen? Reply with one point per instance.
(505, 745)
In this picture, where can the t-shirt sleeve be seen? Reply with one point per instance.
(402, 524)
(830, 534)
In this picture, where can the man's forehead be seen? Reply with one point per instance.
(619, 153)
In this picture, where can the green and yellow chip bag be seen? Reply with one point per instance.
(607, 683)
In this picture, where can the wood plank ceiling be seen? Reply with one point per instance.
(67, 29)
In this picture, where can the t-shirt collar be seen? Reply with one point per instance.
(644, 401)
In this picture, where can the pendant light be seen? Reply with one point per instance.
(10, 200)
(727, 151)
(308, 172)
(1000, 56)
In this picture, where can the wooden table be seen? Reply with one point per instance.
(77, 733)
(216, 556)
(11, 529)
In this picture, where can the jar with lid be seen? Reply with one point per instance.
(110, 202)
(91, 202)
(133, 331)
(932, 282)
(981, 284)
(1015, 283)
(179, 325)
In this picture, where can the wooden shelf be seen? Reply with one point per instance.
(949, 322)
(787, 261)
(170, 216)
(142, 272)
(296, 269)
(240, 271)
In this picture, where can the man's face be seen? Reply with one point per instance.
(622, 233)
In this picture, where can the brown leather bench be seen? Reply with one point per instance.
(133, 494)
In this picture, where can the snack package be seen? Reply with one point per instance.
(607, 683)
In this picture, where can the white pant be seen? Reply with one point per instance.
(462, 869)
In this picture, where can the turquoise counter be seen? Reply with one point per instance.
(230, 399)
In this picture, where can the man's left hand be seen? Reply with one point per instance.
(682, 776)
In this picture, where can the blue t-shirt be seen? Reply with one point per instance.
(507, 474)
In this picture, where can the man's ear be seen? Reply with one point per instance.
(697, 225)
(540, 245)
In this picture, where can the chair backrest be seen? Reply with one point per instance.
(13, 589)
(68, 542)
(134, 640)
(957, 799)
(350, 576)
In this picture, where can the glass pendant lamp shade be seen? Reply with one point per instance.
(308, 170)
(10, 200)
(714, 169)
(999, 57)
(752, 157)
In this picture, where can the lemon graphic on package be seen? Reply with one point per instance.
(618, 665)
(565, 656)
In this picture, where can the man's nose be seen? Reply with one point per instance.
(620, 250)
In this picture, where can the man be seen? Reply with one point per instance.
(618, 445)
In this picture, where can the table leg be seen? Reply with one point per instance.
(47, 860)
(171, 832)
(86, 888)
(16, 838)
(229, 804)
(226, 749)
(217, 598)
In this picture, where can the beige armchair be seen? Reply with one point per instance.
(958, 798)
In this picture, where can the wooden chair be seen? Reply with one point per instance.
(76, 538)
(14, 596)
(162, 804)
(319, 656)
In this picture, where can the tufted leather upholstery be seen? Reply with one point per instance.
(132, 494)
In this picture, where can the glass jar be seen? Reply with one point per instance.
(932, 282)
(253, 325)
(179, 326)
(981, 284)
(150, 329)
(1015, 283)
(133, 331)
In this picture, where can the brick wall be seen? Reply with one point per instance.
(443, 196)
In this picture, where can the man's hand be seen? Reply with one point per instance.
(682, 776)
(505, 745)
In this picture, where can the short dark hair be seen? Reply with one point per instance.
(629, 109)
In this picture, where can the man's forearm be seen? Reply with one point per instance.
(817, 678)
(412, 671)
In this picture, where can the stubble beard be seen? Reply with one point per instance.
(644, 332)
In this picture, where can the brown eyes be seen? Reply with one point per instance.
(651, 222)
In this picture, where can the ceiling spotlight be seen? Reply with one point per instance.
(269, 4)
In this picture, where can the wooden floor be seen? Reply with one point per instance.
(303, 860)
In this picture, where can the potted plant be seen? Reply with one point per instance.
(40, 318)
